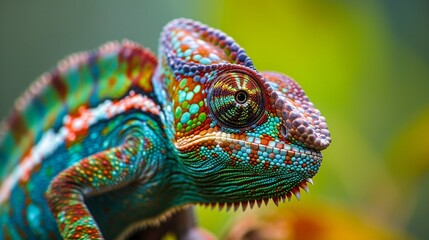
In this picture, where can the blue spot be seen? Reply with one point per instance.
(187, 52)
(205, 61)
(34, 218)
(189, 96)
(194, 108)
(214, 57)
(197, 89)
(185, 117)
(176, 45)
(182, 96)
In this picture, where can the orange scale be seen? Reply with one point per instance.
(264, 141)
(184, 47)
(227, 149)
(203, 51)
(266, 165)
(268, 137)
(241, 136)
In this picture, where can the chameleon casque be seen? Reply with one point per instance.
(115, 139)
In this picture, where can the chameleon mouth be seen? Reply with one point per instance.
(285, 154)
(251, 143)
(251, 203)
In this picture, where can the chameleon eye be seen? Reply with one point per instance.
(236, 100)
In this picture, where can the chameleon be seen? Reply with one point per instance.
(115, 139)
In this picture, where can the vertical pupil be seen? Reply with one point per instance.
(241, 96)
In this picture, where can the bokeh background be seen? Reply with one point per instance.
(365, 65)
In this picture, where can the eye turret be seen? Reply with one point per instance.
(236, 100)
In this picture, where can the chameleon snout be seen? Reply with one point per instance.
(302, 123)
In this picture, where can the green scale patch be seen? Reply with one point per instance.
(188, 112)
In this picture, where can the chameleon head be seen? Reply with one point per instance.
(240, 134)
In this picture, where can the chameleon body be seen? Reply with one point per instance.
(116, 139)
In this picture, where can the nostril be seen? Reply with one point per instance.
(283, 131)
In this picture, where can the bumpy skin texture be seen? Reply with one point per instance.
(113, 140)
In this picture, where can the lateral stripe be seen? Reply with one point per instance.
(72, 126)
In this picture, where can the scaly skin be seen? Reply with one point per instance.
(113, 140)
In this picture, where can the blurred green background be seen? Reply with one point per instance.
(364, 64)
